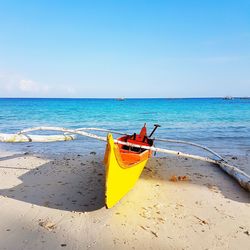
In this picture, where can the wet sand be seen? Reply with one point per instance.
(57, 202)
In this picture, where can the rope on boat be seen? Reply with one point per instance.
(242, 178)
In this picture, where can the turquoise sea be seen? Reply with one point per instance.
(223, 125)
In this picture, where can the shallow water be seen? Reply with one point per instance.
(223, 125)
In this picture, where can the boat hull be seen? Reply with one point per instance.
(120, 177)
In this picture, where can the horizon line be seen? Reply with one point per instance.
(202, 97)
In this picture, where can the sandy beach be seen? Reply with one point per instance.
(133, 79)
(57, 202)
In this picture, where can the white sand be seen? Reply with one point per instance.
(59, 204)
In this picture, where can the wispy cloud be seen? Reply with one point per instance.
(11, 83)
(28, 86)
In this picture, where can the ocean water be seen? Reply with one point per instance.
(223, 125)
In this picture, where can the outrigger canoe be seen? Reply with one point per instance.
(126, 156)
(124, 164)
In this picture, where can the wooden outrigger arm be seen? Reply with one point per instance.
(69, 134)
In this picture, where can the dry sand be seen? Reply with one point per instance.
(58, 203)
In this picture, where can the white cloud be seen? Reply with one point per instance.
(32, 86)
(16, 85)
(28, 86)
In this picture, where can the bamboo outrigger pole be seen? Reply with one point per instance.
(35, 138)
(241, 177)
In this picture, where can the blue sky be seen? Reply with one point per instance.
(124, 48)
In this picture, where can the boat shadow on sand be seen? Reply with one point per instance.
(70, 184)
(77, 184)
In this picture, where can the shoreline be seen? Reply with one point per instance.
(58, 202)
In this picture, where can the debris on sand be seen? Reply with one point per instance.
(247, 233)
(175, 178)
(183, 178)
(50, 226)
(154, 233)
(201, 220)
(143, 228)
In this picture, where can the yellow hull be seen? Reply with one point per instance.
(120, 178)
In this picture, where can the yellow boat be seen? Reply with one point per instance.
(124, 165)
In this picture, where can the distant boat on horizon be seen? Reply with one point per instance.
(228, 98)
(244, 97)
(120, 99)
